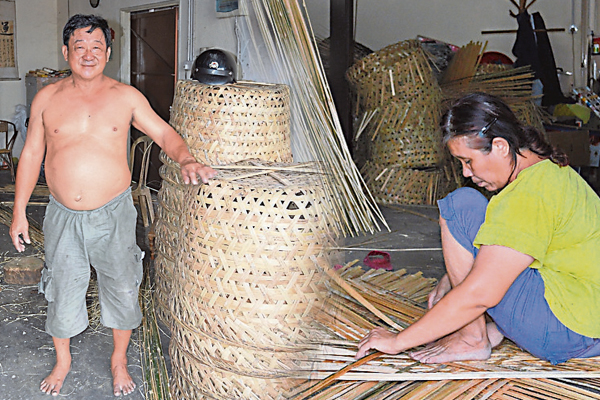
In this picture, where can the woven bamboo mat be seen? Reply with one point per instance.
(510, 373)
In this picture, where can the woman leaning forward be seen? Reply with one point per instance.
(530, 258)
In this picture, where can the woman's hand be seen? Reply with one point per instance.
(440, 291)
(378, 339)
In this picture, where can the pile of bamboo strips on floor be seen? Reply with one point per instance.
(509, 373)
(36, 233)
(156, 376)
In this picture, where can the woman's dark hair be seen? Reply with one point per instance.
(482, 117)
(79, 21)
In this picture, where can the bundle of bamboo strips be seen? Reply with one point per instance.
(512, 85)
(155, 370)
(316, 131)
(464, 63)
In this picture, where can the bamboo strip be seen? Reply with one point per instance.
(155, 371)
(337, 279)
(425, 376)
(326, 381)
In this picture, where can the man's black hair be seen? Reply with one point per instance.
(79, 21)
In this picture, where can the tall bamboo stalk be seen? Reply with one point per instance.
(316, 130)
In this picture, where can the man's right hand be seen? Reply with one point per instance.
(19, 233)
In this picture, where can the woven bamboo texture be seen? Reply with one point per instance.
(394, 184)
(400, 70)
(228, 123)
(398, 105)
(167, 227)
(509, 374)
(405, 131)
(220, 124)
(246, 265)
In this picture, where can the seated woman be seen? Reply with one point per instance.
(530, 258)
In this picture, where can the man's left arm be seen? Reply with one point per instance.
(147, 121)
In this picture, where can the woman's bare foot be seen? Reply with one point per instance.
(122, 381)
(455, 347)
(494, 335)
(53, 382)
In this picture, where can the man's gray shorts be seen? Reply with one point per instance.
(104, 238)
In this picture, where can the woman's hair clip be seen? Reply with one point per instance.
(483, 130)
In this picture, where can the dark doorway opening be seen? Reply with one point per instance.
(154, 68)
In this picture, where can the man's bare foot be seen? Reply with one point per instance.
(53, 382)
(454, 347)
(122, 381)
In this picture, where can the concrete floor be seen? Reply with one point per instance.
(26, 351)
(27, 354)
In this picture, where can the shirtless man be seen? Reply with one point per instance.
(81, 125)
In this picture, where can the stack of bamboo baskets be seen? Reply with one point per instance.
(399, 107)
(236, 259)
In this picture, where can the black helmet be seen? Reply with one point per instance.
(214, 67)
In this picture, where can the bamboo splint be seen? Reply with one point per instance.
(509, 372)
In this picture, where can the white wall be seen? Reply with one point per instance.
(378, 24)
(383, 22)
(39, 38)
(36, 48)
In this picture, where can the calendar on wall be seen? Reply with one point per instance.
(8, 41)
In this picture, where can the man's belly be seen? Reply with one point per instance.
(86, 183)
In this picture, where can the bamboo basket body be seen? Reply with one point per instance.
(399, 105)
(399, 71)
(393, 184)
(228, 123)
(398, 89)
(168, 227)
(247, 267)
(220, 124)
(406, 133)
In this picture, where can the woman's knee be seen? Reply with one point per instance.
(462, 212)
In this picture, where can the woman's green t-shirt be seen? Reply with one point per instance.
(552, 214)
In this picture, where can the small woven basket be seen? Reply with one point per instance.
(248, 248)
(228, 123)
(393, 184)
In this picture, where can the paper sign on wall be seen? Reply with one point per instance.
(8, 41)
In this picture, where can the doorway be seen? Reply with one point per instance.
(153, 55)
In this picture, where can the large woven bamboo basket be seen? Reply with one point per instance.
(407, 132)
(220, 124)
(227, 123)
(247, 266)
(399, 70)
(393, 184)
(167, 227)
